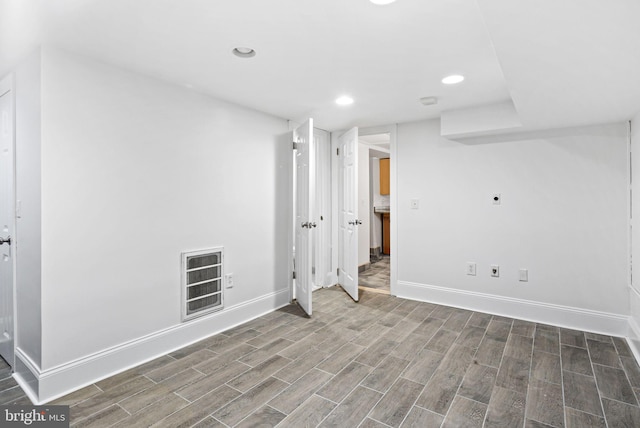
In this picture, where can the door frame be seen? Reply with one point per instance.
(384, 129)
(7, 88)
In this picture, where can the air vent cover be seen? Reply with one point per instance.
(201, 282)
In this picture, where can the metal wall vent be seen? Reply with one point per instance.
(202, 282)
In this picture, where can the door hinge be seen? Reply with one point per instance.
(338, 271)
(294, 274)
(338, 152)
(295, 146)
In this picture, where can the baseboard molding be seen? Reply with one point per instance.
(558, 315)
(633, 336)
(47, 385)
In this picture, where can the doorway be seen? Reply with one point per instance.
(374, 190)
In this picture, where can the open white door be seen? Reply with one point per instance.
(6, 225)
(348, 212)
(304, 224)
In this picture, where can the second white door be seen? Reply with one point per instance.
(348, 212)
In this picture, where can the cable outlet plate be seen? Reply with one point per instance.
(495, 271)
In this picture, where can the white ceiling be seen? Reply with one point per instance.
(562, 62)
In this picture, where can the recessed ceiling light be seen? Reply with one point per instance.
(344, 100)
(243, 52)
(453, 79)
(381, 2)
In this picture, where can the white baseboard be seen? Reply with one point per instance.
(47, 385)
(633, 336)
(562, 316)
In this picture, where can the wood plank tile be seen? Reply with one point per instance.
(470, 337)
(457, 320)
(578, 419)
(421, 418)
(599, 337)
(214, 364)
(423, 366)
(177, 366)
(506, 409)
(199, 409)
(248, 402)
(345, 381)
(620, 414)
(343, 356)
(279, 332)
(396, 403)
(603, 353)
(385, 374)
(513, 374)
(155, 412)
(523, 328)
(370, 335)
(572, 338)
(353, 409)
(632, 369)
(301, 365)
(581, 393)
(263, 417)
(519, 347)
(292, 397)
(479, 319)
(104, 418)
(266, 352)
(107, 398)
(612, 383)
(251, 378)
(546, 367)
(499, 329)
(409, 347)
(465, 413)
(490, 351)
(77, 396)
(429, 327)
(377, 352)
(576, 360)
(622, 347)
(441, 341)
(310, 414)
(209, 422)
(202, 386)
(545, 403)
(547, 340)
(370, 423)
(478, 383)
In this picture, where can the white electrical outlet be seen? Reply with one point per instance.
(228, 279)
(524, 275)
(495, 271)
(471, 268)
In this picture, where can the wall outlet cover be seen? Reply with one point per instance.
(524, 275)
(471, 268)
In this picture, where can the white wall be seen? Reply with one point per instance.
(634, 289)
(364, 206)
(135, 171)
(28, 188)
(563, 217)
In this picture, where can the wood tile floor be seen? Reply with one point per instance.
(383, 362)
(377, 276)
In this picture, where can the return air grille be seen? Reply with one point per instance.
(201, 282)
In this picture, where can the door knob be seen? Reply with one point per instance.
(305, 224)
(355, 222)
(312, 224)
(5, 241)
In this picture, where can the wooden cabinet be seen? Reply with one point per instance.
(386, 233)
(385, 184)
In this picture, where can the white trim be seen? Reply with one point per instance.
(547, 313)
(65, 378)
(392, 130)
(633, 338)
